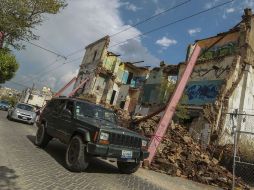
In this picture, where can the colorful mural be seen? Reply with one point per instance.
(219, 51)
(202, 92)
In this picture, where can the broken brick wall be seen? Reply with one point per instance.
(231, 62)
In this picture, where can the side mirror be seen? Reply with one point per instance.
(67, 113)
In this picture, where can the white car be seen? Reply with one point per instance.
(22, 112)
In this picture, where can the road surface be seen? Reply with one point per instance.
(23, 166)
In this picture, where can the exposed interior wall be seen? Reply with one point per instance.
(206, 80)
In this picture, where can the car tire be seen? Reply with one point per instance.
(76, 158)
(128, 167)
(42, 138)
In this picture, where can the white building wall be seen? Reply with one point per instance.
(245, 123)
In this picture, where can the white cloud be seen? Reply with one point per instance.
(130, 6)
(134, 51)
(74, 28)
(193, 31)
(230, 10)
(248, 3)
(158, 10)
(166, 42)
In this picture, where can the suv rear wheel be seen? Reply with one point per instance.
(76, 157)
(128, 167)
(42, 138)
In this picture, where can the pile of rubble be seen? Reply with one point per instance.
(124, 117)
(179, 155)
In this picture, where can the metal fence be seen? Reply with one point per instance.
(243, 134)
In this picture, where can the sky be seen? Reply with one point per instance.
(85, 21)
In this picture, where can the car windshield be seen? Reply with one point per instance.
(84, 110)
(4, 102)
(25, 107)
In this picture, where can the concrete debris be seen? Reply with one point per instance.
(124, 117)
(179, 155)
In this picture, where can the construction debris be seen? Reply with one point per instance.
(124, 117)
(179, 155)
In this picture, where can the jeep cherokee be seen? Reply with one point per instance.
(89, 130)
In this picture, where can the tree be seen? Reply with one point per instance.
(18, 18)
(8, 65)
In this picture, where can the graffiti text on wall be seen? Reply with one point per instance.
(216, 70)
(219, 51)
(202, 92)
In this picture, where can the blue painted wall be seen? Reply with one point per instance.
(202, 92)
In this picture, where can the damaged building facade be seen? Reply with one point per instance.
(157, 88)
(111, 81)
(222, 81)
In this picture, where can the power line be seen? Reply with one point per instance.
(45, 73)
(139, 23)
(151, 17)
(174, 22)
(17, 83)
(164, 26)
(48, 50)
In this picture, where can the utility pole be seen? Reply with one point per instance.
(30, 92)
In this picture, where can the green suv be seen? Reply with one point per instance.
(89, 130)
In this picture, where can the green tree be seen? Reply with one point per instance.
(8, 65)
(18, 18)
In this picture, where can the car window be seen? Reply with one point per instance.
(60, 106)
(84, 110)
(51, 104)
(25, 107)
(70, 106)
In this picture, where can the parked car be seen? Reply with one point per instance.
(22, 112)
(90, 130)
(4, 105)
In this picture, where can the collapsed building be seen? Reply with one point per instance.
(222, 81)
(111, 81)
(157, 88)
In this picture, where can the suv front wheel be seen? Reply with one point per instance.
(76, 157)
(128, 167)
(42, 138)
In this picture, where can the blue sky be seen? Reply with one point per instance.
(83, 22)
(182, 33)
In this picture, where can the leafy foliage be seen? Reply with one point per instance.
(8, 65)
(18, 18)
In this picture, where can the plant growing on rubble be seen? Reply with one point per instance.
(8, 65)
(19, 18)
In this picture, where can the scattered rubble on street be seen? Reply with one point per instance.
(179, 155)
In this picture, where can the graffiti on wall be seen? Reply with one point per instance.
(216, 70)
(218, 51)
(202, 92)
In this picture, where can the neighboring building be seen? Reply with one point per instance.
(111, 81)
(222, 80)
(36, 97)
(4, 91)
(157, 88)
